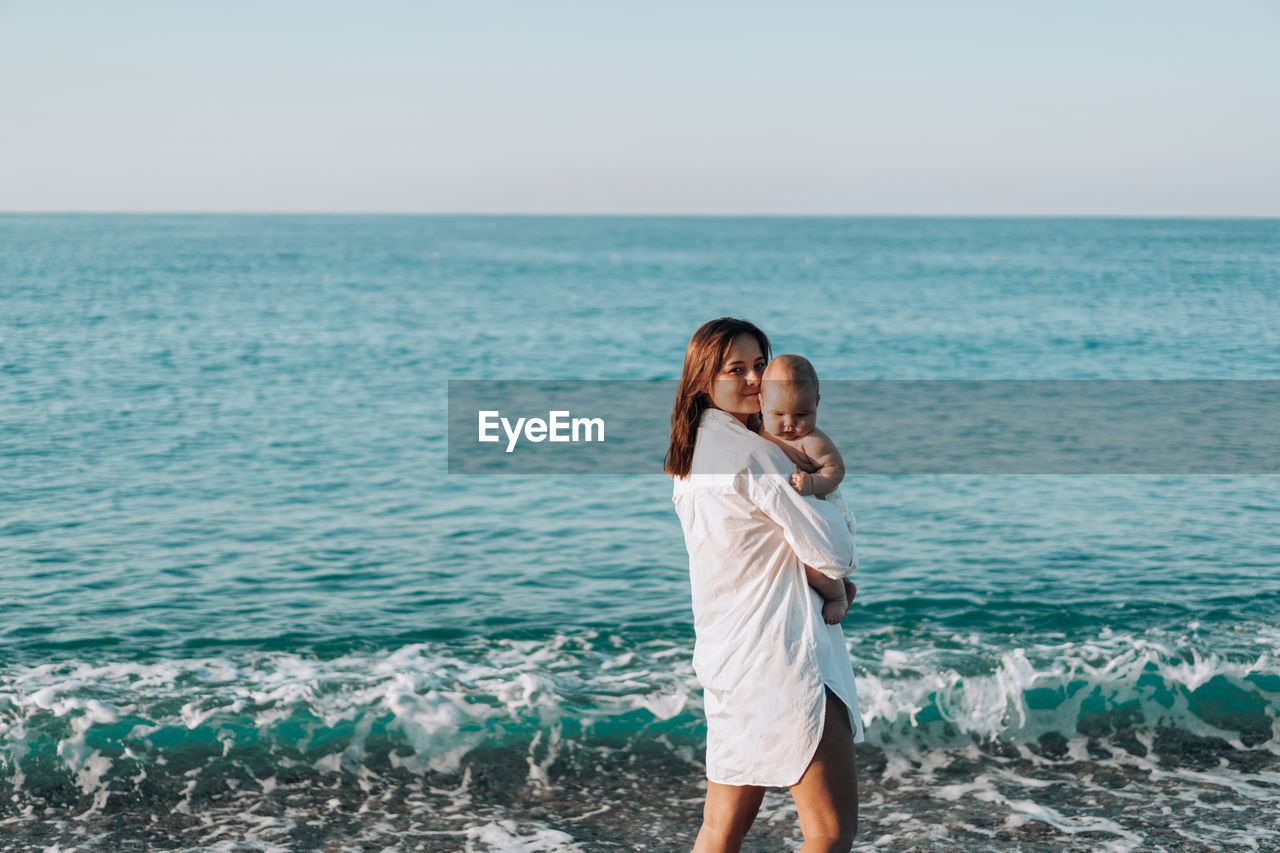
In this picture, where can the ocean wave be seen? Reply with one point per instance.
(82, 732)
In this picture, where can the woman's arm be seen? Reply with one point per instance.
(815, 529)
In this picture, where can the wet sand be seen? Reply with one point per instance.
(1175, 792)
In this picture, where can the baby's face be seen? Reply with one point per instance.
(789, 411)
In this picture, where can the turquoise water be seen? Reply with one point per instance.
(232, 552)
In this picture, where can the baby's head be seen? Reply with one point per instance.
(789, 397)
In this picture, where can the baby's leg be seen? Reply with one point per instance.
(835, 603)
(834, 611)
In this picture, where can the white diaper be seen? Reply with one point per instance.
(838, 501)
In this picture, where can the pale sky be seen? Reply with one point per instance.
(1122, 107)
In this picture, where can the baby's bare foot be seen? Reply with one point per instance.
(833, 611)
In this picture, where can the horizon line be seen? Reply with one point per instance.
(638, 215)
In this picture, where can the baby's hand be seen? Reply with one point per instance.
(803, 483)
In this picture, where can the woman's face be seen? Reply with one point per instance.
(736, 388)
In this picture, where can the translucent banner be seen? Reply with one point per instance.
(891, 426)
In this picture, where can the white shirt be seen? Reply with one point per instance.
(762, 651)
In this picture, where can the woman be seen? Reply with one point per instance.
(781, 704)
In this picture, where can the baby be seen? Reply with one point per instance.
(789, 413)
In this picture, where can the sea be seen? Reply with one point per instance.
(245, 606)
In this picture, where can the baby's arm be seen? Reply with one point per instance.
(822, 450)
(795, 454)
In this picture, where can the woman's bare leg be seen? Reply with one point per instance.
(726, 817)
(827, 794)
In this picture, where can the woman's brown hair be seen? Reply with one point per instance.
(702, 360)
